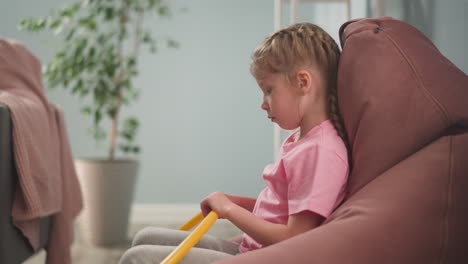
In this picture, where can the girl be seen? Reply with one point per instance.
(296, 69)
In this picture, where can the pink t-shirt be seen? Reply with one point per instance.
(309, 175)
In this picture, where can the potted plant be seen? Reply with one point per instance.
(98, 60)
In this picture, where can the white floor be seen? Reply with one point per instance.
(170, 216)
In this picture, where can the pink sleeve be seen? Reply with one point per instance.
(316, 180)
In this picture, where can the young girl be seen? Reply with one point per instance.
(296, 69)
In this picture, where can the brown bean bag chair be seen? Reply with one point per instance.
(405, 108)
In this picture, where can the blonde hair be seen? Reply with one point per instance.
(303, 45)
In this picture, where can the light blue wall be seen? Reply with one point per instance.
(447, 26)
(202, 127)
(450, 31)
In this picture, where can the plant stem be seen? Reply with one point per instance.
(117, 80)
(113, 139)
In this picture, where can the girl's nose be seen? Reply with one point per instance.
(264, 106)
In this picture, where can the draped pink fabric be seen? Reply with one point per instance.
(47, 183)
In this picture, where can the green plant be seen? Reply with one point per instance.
(98, 59)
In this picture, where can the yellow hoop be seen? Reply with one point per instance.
(178, 253)
(192, 222)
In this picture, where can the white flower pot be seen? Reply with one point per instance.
(108, 188)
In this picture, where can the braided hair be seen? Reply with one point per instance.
(302, 45)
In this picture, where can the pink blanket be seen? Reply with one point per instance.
(47, 182)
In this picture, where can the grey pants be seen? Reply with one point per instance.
(153, 244)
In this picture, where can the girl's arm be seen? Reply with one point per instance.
(264, 232)
(246, 202)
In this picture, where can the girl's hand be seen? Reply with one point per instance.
(218, 202)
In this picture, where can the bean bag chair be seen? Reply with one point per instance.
(405, 108)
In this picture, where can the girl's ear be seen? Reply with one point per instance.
(304, 81)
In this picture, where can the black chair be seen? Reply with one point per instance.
(14, 247)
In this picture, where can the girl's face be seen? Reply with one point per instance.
(280, 100)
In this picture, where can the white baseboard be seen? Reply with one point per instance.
(162, 213)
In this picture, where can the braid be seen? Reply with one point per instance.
(331, 53)
(337, 120)
(299, 45)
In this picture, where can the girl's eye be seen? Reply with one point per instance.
(268, 91)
